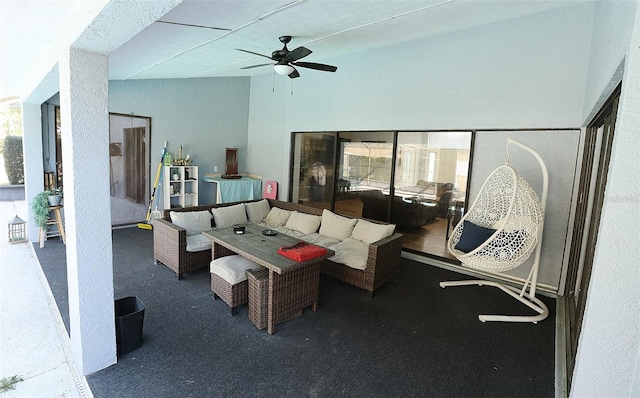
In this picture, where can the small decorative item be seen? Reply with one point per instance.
(238, 229)
(231, 171)
(55, 197)
(167, 159)
(179, 160)
(186, 173)
(17, 230)
(174, 175)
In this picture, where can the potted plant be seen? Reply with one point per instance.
(40, 207)
(41, 204)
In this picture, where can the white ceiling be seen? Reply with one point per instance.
(28, 29)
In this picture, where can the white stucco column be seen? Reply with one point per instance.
(85, 155)
(608, 355)
(32, 152)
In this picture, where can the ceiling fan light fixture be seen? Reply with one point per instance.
(283, 69)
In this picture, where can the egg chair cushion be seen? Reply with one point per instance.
(473, 236)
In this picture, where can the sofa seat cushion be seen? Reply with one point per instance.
(198, 243)
(369, 232)
(233, 269)
(194, 222)
(227, 216)
(320, 240)
(335, 226)
(351, 252)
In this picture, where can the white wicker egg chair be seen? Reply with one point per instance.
(504, 226)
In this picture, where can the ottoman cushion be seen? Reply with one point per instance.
(232, 269)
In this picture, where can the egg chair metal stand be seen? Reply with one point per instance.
(510, 210)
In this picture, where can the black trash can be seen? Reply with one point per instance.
(129, 320)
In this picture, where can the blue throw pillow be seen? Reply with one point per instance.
(472, 236)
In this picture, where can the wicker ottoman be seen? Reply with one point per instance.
(258, 285)
(229, 279)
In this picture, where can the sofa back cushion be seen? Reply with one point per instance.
(229, 215)
(257, 211)
(277, 217)
(302, 222)
(368, 232)
(335, 226)
(195, 222)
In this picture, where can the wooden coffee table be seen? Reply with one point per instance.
(293, 285)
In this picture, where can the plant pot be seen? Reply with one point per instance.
(54, 200)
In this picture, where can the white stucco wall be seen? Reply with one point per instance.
(607, 361)
(528, 72)
(610, 42)
(85, 135)
(33, 168)
(205, 116)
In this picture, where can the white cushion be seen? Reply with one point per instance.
(302, 222)
(257, 211)
(351, 252)
(232, 269)
(198, 243)
(335, 226)
(277, 217)
(195, 222)
(320, 240)
(368, 232)
(229, 215)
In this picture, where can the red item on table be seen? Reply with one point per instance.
(302, 251)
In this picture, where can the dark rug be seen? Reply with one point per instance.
(413, 339)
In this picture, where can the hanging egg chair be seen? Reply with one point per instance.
(501, 230)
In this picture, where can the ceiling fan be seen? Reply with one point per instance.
(286, 61)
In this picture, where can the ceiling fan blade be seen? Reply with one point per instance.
(313, 65)
(297, 53)
(255, 66)
(251, 52)
(294, 74)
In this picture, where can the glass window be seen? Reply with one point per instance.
(430, 187)
(365, 164)
(420, 184)
(312, 171)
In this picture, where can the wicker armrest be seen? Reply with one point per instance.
(383, 260)
(169, 241)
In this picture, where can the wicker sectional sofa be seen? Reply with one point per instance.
(382, 256)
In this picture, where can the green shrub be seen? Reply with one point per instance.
(13, 159)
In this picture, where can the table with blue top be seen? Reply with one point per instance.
(235, 190)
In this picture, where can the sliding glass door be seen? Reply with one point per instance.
(313, 169)
(430, 186)
(416, 180)
(365, 163)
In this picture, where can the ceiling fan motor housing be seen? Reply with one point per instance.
(279, 54)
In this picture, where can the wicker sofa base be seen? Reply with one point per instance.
(233, 295)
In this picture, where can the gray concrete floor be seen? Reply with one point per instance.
(34, 344)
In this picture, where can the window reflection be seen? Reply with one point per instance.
(312, 170)
(420, 185)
